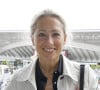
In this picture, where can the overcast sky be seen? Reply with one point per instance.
(78, 14)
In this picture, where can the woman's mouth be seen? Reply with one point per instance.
(49, 49)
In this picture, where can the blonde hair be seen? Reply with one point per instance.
(46, 13)
(50, 13)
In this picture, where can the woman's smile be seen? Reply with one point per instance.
(49, 50)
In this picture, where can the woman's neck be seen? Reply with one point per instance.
(48, 67)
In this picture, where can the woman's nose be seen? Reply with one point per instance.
(50, 40)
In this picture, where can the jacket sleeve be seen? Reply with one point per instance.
(91, 79)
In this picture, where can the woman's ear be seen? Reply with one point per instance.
(32, 39)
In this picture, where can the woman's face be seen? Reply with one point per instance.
(49, 38)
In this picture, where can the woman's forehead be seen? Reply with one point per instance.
(49, 30)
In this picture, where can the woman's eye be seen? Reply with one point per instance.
(41, 35)
(56, 34)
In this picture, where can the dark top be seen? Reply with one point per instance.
(41, 80)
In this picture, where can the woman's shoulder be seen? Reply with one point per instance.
(23, 73)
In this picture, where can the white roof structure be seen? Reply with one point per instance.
(85, 46)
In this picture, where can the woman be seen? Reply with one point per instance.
(49, 69)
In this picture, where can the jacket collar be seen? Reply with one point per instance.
(70, 69)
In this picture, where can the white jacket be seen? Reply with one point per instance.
(24, 79)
